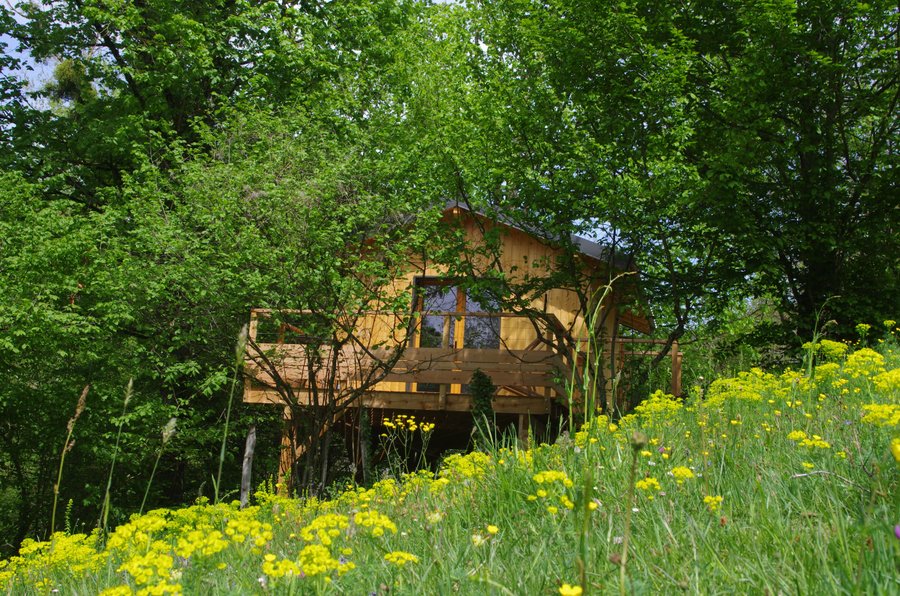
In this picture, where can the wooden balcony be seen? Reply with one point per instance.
(385, 366)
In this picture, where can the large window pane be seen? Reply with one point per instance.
(436, 299)
(481, 332)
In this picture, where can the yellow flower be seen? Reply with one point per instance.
(647, 484)
(492, 529)
(316, 559)
(864, 363)
(888, 381)
(377, 522)
(713, 502)
(275, 569)
(118, 591)
(681, 473)
(570, 590)
(550, 476)
(882, 414)
(401, 558)
(815, 441)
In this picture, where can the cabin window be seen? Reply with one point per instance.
(469, 320)
(461, 319)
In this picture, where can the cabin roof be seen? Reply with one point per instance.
(587, 248)
(592, 250)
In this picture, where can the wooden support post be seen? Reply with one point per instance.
(288, 456)
(523, 430)
(247, 468)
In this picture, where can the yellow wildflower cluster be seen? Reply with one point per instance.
(138, 533)
(648, 484)
(752, 385)
(276, 568)
(316, 559)
(833, 350)
(804, 440)
(888, 382)
(713, 502)
(550, 476)
(816, 442)
(325, 528)
(161, 588)
(881, 414)
(864, 363)
(204, 542)
(658, 408)
(472, 466)
(400, 558)
(681, 473)
(826, 373)
(245, 527)
(570, 590)
(70, 555)
(592, 429)
(409, 423)
(556, 482)
(150, 567)
(376, 522)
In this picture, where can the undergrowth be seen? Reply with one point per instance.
(779, 483)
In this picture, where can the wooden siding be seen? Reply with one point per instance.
(521, 367)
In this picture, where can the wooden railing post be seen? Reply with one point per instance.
(445, 343)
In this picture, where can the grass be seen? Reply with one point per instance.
(809, 487)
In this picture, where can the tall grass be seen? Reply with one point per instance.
(240, 348)
(104, 512)
(775, 483)
(168, 432)
(67, 446)
(587, 384)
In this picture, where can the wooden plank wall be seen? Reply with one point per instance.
(521, 255)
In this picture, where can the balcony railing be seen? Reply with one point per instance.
(385, 356)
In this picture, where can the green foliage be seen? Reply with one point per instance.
(798, 130)
(482, 390)
(165, 201)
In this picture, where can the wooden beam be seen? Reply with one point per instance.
(402, 400)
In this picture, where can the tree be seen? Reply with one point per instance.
(730, 153)
(145, 224)
(796, 137)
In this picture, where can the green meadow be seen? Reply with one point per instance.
(784, 483)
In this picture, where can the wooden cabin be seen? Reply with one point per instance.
(422, 359)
